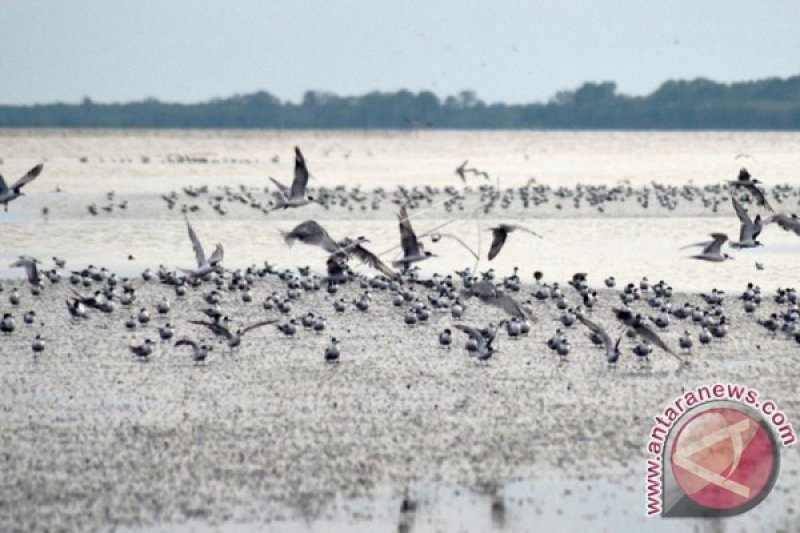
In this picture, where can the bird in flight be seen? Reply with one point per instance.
(205, 265)
(749, 229)
(296, 196)
(484, 349)
(751, 185)
(413, 251)
(500, 234)
(312, 233)
(8, 194)
(712, 250)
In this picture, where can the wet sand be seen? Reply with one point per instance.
(272, 435)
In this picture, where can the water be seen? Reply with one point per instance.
(141, 165)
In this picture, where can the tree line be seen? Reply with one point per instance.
(772, 103)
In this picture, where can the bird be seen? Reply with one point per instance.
(712, 250)
(489, 294)
(751, 185)
(413, 251)
(749, 229)
(445, 338)
(785, 222)
(500, 234)
(234, 339)
(641, 328)
(199, 351)
(144, 350)
(611, 347)
(38, 344)
(296, 196)
(332, 352)
(8, 194)
(312, 233)
(205, 266)
(31, 270)
(484, 349)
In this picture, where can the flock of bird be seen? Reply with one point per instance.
(421, 299)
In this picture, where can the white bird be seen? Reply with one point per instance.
(712, 250)
(204, 266)
(8, 194)
(296, 196)
(750, 228)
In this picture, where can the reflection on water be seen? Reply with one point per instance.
(625, 248)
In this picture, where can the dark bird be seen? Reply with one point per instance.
(500, 234)
(641, 328)
(484, 349)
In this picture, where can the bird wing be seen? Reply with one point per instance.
(473, 334)
(741, 212)
(199, 254)
(258, 325)
(595, 328)
(526, 230)
(300, 175)
(283, 188)
(368, 258)
(460, 241)
(499, 236)
(510, 306)
(3, 186)
(187, 342)
(217, 255)
(29, 177)
(759, 196)
(647, 333)
(311, 232)
(715, 246)
(408, 240)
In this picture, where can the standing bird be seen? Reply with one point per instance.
(750, 228)
(483, 343)
(143, 350)
(712, 250)
(31, 271)
(332, 352)
(204, 266)
(500, 234)
(413, 250)
(8, 194)
(296, 196)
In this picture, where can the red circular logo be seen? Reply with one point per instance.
(723, 458)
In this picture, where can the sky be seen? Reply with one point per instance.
(522, 51)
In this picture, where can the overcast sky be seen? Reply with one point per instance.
(63, 50)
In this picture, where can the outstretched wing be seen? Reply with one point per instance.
(647, 333)
(499, 236)
(258, 325)
(3, 186)
(473, 334)
(187, 342)
(368, 258)
(199, 254)
(510, 306)
(311, 232)
(741, 212)
(595, 328)
(408, 240)
(217, 255)
(459, 240)
(526, 230)
(300, 175)
(715, 246)
(283, 188)
(29, 177)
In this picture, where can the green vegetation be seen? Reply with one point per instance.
(698, 104)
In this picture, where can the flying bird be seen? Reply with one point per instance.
(312, 233)
(31, 270)
(296, 196)
(500, 234)
(712, 250)
(484, 350)
(749, 229)
(641, 328)
(490, 294)
(413, 251)
(8, 194)
(204, 266)
(611, 347)
(751, 185)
